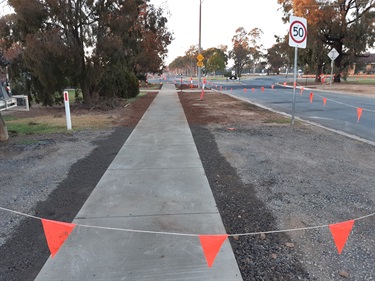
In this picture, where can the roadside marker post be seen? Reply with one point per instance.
(297, 39)
(203, 86)
(67, 111)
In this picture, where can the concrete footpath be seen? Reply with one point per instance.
(155, 183)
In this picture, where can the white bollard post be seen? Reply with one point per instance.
(67, 111)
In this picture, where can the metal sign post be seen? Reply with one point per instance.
(297, 39)
(333, 54)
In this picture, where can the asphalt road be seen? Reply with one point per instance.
(339, 113)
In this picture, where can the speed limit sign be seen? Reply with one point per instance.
(297, 32)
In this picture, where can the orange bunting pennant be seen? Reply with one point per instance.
(302, 91)
(244, 90)
(340, 233)
(359, 113)
(253, 90)
(272, 86)
(262, 89)
(211, 245)
(295, 84)
(202, 95)
(284, 84)
(56, 233)
(311, 97)
(324, 101)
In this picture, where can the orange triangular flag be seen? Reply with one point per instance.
(324, 101)
(262, 89)
(340, 232)
(359, 113)
(311, 97)
(202, 95)
(211, 245)
(244, 90)
(272, 86)
(252, 89)
(284, 84)
(56, 233)
(302, 90)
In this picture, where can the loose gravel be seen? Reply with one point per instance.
(264, 176)
(276, 177)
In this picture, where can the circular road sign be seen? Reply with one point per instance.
(297, 32)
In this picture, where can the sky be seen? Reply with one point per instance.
(220, 19)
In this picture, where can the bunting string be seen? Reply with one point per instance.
(348, 105)
(189, 234)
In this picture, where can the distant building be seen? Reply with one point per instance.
(363, 65)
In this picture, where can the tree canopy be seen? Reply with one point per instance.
(346, 25)
(246, 50)
(98, 46)
(215, 59)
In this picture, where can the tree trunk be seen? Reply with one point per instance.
(3, 130)
(318, 71)
(337, 64)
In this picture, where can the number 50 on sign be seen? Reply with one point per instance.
(297, 32)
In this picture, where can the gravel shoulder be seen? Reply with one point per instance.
(265, 175)
(51, 176)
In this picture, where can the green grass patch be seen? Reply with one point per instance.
(27, 142)
(22, 128)
(150, 86)
(360, 79)
(7, 118)
(141, 94)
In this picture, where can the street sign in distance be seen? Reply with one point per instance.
(200, 63)
(297, 32)
(333, 54)
(200, 57)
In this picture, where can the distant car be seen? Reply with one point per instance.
(232, 77)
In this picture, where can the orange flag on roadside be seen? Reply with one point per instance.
(359, 113)
(284, 84)
(272, 86)
(302, 90)
(211, 245)
(56, 233)
(262, 89)
(252, 89)
(202, 94)
(244, 90)
(324, 101)
(311, 97)
(340, 233)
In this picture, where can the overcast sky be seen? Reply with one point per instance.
(220, 19)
